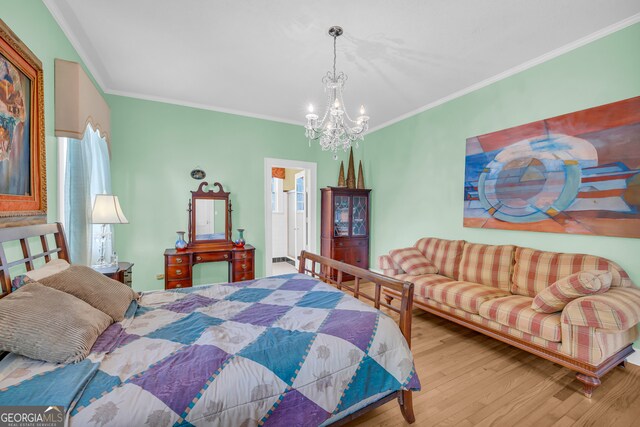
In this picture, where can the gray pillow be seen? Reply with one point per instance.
(96, 289)
(46, 324)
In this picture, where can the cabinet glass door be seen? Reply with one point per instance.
(341, 216)
(359, 222)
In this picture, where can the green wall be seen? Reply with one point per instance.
(31, 21)
(156, 145)
(416, 166)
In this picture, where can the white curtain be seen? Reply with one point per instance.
(87, 173)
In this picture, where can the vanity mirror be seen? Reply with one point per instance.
(209, 216)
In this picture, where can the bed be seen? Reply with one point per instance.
(290, 350)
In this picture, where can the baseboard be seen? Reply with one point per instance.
(284, 259)
(634, 359)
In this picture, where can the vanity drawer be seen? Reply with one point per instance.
(177, 259)
(243, 255)
(243, 265)
(211, 257)
(239, 277)
(178, 272)
(177, 284)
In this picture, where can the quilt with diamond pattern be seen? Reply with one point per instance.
(283, 350)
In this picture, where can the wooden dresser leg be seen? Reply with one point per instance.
(406, 406)
(589, 384)
(388, 299)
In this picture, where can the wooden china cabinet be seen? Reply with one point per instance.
(345, 226)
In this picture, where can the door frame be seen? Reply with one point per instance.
(312, 168)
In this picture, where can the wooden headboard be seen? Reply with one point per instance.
(22, 235)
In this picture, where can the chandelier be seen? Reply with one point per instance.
(336, 129)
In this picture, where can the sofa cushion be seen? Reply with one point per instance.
(515, 311)
(413, 261)
(463, 295)
(487, 265)
(444, 254)
(423, 282)
(536, 270)
(555, 297)
(388, 267)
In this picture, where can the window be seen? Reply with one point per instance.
(300, 194)
(276, 195)
(83, 173)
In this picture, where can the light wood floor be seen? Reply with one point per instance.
(470, 379)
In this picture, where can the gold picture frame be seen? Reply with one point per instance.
(23, 186)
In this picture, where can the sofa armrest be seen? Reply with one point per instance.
(618, 309)
(388, 267)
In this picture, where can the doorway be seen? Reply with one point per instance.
(290, 213)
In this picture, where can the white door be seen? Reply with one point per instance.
(301, 214)
(291, 224)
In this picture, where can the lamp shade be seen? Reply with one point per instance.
(107, 210)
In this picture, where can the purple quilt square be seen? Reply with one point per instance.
(296, 409)
(414, 383)
(353, 326)
(114, 336)
(180, 377)
(298, 285)
(261, 314)
(189, 303)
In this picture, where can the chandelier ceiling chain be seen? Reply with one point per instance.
(336, 129)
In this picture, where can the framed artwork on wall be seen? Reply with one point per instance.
(578, 173)
(23, 198)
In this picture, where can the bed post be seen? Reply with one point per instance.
(405, 399)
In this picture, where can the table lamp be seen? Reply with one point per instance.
(106, 210)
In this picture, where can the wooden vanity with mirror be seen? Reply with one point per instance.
(209, 241)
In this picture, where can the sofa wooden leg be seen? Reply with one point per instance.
(623, 364)
(589, 384)
(406, 406)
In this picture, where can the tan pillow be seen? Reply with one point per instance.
(96, 289)
(46, 324)
(413, 261)
(557, 296)
(52, 267)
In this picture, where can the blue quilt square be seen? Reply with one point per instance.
(100, 383)
(281, 351)
(320, 299)
(186, 330)
(249, 295)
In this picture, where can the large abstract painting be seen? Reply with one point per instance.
(22, 151)
(576, 173)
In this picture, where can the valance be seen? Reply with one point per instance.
(78, 103)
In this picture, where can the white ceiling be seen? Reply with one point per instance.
(266, 58)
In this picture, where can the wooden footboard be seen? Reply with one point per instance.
(332, 272)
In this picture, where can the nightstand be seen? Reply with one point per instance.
(122, 274)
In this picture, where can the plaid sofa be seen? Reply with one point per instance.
(491, 288)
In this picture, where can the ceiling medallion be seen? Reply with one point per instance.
(336, 129)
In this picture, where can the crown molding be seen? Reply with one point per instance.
(517, 69)
(145, 97)
(66, 29)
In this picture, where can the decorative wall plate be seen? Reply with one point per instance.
(198, 173)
